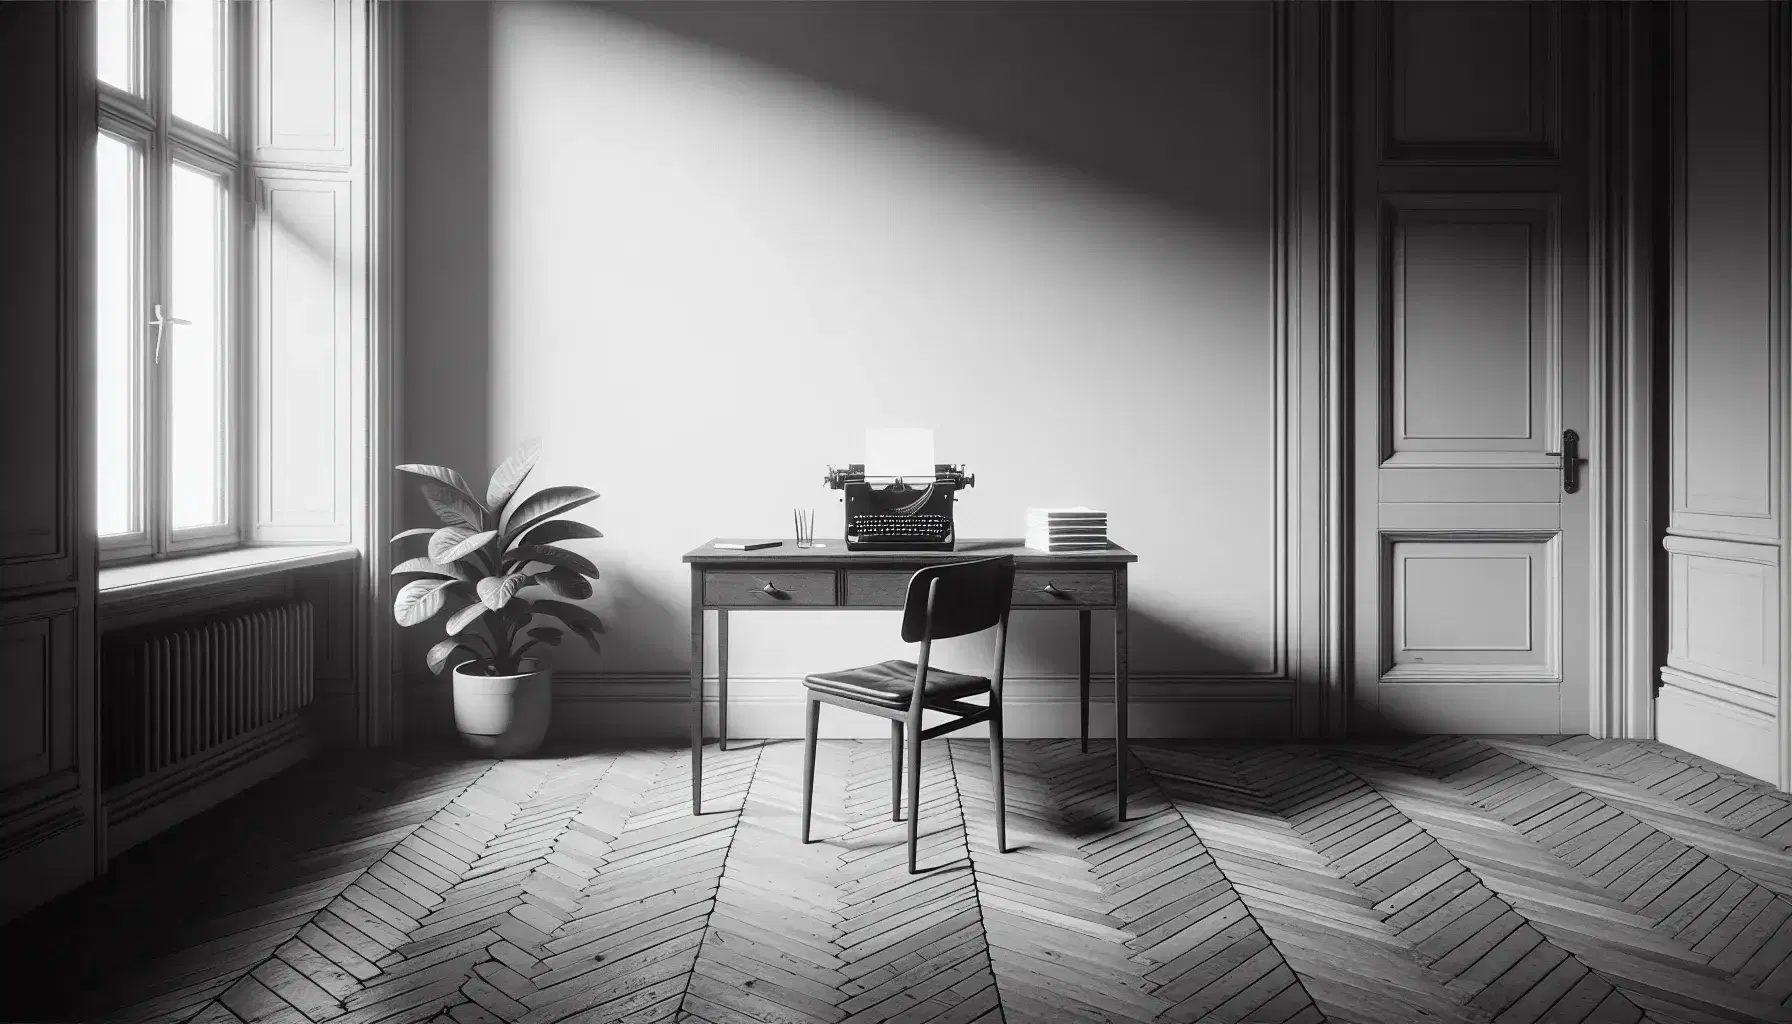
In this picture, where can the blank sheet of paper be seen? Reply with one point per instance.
(899, 451)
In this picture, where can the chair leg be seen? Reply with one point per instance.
(895, 770)
(996, 780)
(914, 793)
(810, 727)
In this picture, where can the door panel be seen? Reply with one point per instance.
(36, 715)
(1473, 607)
(1723, 692)
(1468, 81)
(1471, 319)
(48, 786)
(1724, 612)
(1470, 350)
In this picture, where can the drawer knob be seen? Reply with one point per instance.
(1054, 591)
(771, 590)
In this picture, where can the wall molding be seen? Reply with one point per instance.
(1336, 528)
(1284, 354)
(1312, 232)
(48, 834)
(1622, 199)
(1738, 711)
(1780, 321)
(377, 676)
(1719, 690)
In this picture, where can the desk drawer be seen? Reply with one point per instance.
(1067, 589)
(877, 588)
(748, 589)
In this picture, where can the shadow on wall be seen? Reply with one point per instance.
(1094, 90)
(448, 258)
(1187, 646)
(1134, 216)
(1084, 87)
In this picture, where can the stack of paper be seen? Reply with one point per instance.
(1067, 529)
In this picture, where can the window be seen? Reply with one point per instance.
(169, 178)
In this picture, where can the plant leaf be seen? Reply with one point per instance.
(549, 501)
(565, 583)
(547, 635)
(419, 600)
(442, 651)
(460, 620)
(453, 507)
(441, 473)
(578, 619)
(449, 571)
(421, 531)
(509, 476)
(550, 555)
(518, 611)
(559, 529)
(496, 591)
(453, 543)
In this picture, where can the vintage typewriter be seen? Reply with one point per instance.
(898, 514)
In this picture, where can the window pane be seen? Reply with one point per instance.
(196, 397)
(198, 60)
(117, 166)
(117, 35)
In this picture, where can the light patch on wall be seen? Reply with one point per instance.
(709, 275)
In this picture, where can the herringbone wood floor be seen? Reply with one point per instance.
(1475, 879)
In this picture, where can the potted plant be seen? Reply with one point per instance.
(487, 562)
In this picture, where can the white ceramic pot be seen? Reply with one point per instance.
(504, 716)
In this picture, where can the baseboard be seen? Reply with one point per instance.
(1423, 708)
(1731, 732)
(145, 807)
(1163, 706)
(43, 860)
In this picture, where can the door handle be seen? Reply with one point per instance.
(1570, 454)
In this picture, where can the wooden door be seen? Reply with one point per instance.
(1723, 692)
(47, 772)
(1470, 362)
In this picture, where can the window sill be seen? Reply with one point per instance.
(130, 583)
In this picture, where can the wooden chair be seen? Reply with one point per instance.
(943, 601)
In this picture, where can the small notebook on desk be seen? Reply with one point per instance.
(745, 545)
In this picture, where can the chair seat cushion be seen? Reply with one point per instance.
(892, 683)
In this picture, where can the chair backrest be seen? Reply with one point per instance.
(972, 597)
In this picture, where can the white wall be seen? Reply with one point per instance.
(720, 241)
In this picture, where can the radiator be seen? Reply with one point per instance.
(173, 692)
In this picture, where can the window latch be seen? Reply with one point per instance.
(160, 323)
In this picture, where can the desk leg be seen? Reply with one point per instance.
(1121, 705)
(722, 678)
(1082, 628)
(696, 692)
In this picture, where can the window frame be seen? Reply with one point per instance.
(144, 118)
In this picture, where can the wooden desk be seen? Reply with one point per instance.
(789, 578)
